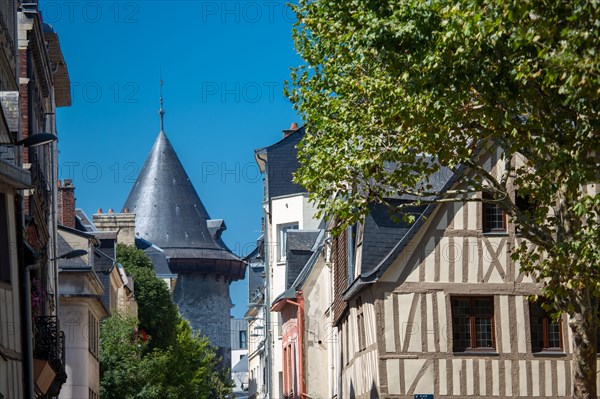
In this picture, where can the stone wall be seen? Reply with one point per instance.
(204, 301)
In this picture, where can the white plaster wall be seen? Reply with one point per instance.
(10, 331)
(319, 334)
(82, 367)
(289, 209)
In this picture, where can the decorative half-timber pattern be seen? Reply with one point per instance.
(407, 319)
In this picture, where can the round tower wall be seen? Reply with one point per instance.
(203, 300)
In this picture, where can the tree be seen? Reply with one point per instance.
(157, 313)
(174, 364)
(194, 367)
(384, 83)
(126, 370)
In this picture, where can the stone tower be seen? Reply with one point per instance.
(170, 215)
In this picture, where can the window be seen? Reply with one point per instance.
(243, 339)
(494, 218)
(4, 242)
(283, 229)
(473, 323)
(347, 341)
(360, 321)
(525, 205)
(93, 334)
(545, 333)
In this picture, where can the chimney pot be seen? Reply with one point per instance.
(68, 182)
(291, 130)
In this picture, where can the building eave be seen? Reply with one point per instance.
(14, 176)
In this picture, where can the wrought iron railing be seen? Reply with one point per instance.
(49, 345)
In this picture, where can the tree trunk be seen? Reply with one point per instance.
(583, 327)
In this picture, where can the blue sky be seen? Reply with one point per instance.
(223, 65)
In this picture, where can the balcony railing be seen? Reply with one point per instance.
(49, 345)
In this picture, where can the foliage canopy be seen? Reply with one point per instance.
(392, 91)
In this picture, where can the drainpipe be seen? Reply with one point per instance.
(54, 194)
(331, 343)
(267, 313)
(25, 293)
(300, 315)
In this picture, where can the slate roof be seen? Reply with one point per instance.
(280, 161)
(241, 366)
(382, 232)
(315, 251)
(82, 222)
(299, 249)
(156, 255)
(385, 236)
(170, 214)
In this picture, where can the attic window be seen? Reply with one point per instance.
(494, 218)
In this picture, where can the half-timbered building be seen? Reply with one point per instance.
(438, 307)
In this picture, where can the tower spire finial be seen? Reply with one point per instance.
(161, 111)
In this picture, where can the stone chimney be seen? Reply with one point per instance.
(122, 223)
(291, 130)
(66, 203)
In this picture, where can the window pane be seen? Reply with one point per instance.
(545, 334)
(243, 340)
(493, 217)
(483, 331)
(537, 334)
(461, 324)
(460, 307)
(553, 335)
(283, 238)
(483, 307)
(461, 327)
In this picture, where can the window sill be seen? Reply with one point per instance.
(476, 353)
(501, 233)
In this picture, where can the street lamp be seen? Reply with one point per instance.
(37, 139)
(72, 254)
(33, 140)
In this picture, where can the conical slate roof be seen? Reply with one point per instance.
(170, 214)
